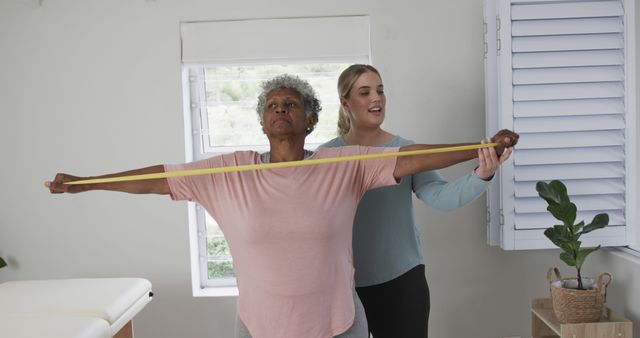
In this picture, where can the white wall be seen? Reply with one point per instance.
(90, 87)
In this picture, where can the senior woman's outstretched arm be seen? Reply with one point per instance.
(408, 165)
(153, 186)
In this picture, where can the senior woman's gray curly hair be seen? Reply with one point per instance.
(311, 103)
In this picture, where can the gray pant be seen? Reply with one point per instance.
(357, 330)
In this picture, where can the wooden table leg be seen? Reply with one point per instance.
(126, 331)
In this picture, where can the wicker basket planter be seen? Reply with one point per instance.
(578, 306)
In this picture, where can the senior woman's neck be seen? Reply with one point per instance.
(274, 157)
(284, 151)
(266, 157)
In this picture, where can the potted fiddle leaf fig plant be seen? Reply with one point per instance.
(577, 299)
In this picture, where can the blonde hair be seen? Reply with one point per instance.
(345, 82)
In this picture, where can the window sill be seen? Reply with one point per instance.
(216, 291)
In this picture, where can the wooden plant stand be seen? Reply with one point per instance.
(544, 324)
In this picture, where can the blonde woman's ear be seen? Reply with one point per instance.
(343, 102)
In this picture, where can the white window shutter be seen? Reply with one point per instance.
(561, 74)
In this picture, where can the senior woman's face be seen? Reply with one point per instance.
(284, 113)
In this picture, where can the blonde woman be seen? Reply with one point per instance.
(390, 271)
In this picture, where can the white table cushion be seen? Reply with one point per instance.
(115, 300)
(56, 326)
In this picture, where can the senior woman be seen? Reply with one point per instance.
(289, 229)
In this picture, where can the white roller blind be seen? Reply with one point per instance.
(565, 83)
(272, 40)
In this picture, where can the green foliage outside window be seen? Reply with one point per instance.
(220, 269)
(217, 247)
(220, 264)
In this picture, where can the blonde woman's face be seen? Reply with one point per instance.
(366, 103)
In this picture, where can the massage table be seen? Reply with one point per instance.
(72, 308)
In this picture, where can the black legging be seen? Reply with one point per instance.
(398, 308)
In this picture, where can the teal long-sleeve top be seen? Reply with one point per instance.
(386, 243)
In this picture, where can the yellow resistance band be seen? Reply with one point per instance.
(218, 170)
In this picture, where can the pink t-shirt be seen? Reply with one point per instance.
(289, 231)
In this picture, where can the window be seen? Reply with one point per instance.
(562, 74)
(224, 63)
